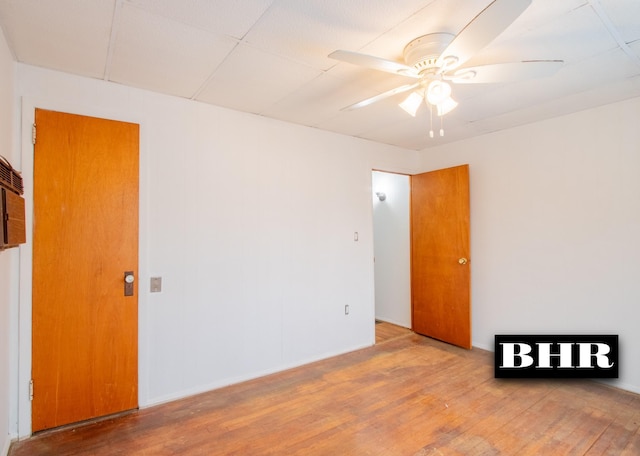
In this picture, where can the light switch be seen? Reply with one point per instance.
(156, 284)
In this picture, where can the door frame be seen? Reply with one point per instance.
(373, 190)
(411, 173)
(22, 317)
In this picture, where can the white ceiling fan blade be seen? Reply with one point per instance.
(376, 63)
(505, 72)
(382, 96)
(483, 29)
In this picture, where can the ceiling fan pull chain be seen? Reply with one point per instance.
(442, 125)
(430, 120)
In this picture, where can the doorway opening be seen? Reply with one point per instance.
(421, 252)
(391, 238)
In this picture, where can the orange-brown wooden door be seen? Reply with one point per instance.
(85, 331)
(440, 272)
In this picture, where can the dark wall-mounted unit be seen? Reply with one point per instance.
(12, 214)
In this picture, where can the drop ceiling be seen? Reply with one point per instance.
(269, 57)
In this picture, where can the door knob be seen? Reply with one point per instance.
(462, 261)
(128, 283)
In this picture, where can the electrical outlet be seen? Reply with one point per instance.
(346, 309)
(355, 236)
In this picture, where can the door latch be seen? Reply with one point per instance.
(128, 283)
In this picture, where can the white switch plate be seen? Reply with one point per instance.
(156, 284)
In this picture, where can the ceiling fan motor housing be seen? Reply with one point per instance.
(423, 52)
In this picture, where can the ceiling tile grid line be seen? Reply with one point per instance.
(115, 22)
(225, 17)
(606, 20)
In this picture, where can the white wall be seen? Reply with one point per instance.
(555, 228)
(8, 258)
(250, 223)
(392, 248)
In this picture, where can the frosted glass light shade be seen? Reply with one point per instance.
(438, 91)
(412, 103)
(446, 106)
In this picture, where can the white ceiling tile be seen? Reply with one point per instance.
(541, 13)
(325, 97)
(570, 36)
(635, 47)
(308, 31)
(360, 121)
(67, 35)
(227, 17)
(320, 99)
(625, 16)
(355, 83)
(449, 16)
(251, 80)
(617, 90)
(156, 53)
(411, 132)
(502, 99)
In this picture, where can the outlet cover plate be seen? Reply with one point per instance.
(156, 284)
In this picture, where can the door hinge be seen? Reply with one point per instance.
(31, 389)
(33, 134)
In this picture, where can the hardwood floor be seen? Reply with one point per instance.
(407, 395)
(387, 331)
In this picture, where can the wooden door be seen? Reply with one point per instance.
(85, 331)
(440, 272)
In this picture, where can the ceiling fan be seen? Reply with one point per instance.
(436, 59)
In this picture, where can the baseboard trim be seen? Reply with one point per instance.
(221, 383)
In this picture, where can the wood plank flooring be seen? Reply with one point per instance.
(407, 395)
(387, 331)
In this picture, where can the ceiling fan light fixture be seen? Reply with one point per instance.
(438, 91)
(446, 106)
(412, 103)
(464, 75)
(438, 59)
(447, 62)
